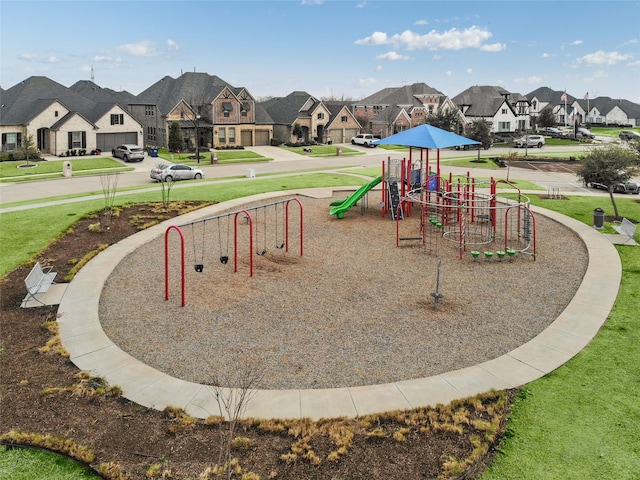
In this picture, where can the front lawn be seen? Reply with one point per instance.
(11, 171)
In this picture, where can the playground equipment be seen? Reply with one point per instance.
(341, 206)
(259, 233)
(463, 210)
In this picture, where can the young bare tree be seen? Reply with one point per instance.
(109, 182)
(233, 393)
(165, 190)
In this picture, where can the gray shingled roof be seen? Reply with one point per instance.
(191, 87)
(484, 100)
(285, 110)
(552, 97)
(27, 99)
(94, 92)
(405, 95)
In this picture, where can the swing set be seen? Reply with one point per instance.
(257, 218)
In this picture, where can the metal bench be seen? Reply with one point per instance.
(39, 280)
(626, 228)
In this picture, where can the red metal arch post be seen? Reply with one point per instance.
(166, 262)
(287, 226)
(235, 241)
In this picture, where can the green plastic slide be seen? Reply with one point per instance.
(338, 210)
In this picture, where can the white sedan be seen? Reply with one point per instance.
(174, 172)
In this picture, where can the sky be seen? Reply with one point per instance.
(346, 50)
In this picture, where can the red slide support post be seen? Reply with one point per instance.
(166, 262)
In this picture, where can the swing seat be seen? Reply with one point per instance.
(199, 267)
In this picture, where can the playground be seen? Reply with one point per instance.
(356, 308)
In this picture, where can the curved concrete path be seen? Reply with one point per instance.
(91, 350)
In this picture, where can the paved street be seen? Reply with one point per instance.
(285, 161)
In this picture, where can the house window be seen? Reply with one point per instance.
(77, 140)
(55, 114)
(504, 126)
(244, 110)
(226, 109)
(343, 119)
(151, 134)
(11, 141)
(149, 111)
(430, 109)
(504, 111)
(222, 135)
(117, 119)
(320, 116)
(232, 135)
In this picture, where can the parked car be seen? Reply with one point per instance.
(365, 139)
(552, 132)
(628, 135)
(529, 141)
(631, 186)
(585, 133)
(128, 153)
(174, 172)
(476, 146)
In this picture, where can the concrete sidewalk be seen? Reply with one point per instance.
(90, 349)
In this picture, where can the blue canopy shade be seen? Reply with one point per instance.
(426, 136)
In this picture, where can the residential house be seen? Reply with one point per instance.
(602, 111)
(342, 125)
(394, 109)
(298, 117)
(506, 112)
(62, 121)
(210, 112)
(560, 103)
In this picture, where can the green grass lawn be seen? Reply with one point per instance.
(582, 421)
(323, 150)
(224, 156)
(10, 171)
(28, 464)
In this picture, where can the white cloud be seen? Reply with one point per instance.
(311, 2)
(30, 57)
(469, 71)
(52, 59)
(173, 46)
(377, 38)
(576, 42)
(546, 55)
(493, 47)
(392, 56)
(453, 39)
(421, 22)
(379, 68)
(635, 63)
(365, 82)
(362, 4)
(603, 58)
(102, 58)
(448, 73)
(144, 48)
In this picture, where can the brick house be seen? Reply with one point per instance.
(392, 110)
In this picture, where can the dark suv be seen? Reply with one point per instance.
(628, 135)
